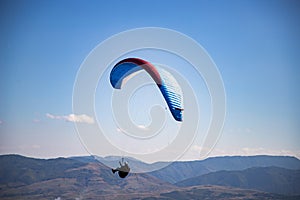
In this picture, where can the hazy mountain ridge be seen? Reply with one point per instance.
(23, 170)
(179, 171)
(268, 179)
(209, 192)
(85, 178)
(29, 178)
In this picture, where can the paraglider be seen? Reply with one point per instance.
(167, 84)
(123, 170)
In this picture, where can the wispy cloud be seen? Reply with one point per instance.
(119, 130)
(247, 151)
(23, 147)
(72, 118)
(142, 127)
(260, 151)
(36, 120)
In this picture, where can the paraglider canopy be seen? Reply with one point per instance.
(170, 89)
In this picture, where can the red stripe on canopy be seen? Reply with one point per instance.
(146, 66)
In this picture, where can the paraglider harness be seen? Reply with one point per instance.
(123, 170)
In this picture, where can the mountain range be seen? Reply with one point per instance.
(178, 171)
(254, 177)
(269, 179)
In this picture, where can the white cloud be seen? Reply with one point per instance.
(262, 151)
(35, 146)
(194, 153)
(26, 147)
(119, 130)
(72, 118)
(80, 118)
(36, 120)
(142, 127)
(1, 122)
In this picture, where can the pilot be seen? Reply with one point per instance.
(123, 170)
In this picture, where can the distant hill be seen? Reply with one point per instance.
(84, 159)
(210, 192)
(267, 179)
(69, 179)
(244, 162)
(179, 171)
(19, 170)
(136, 165)
(85, 178)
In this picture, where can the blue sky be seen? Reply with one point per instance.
(255, 45)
